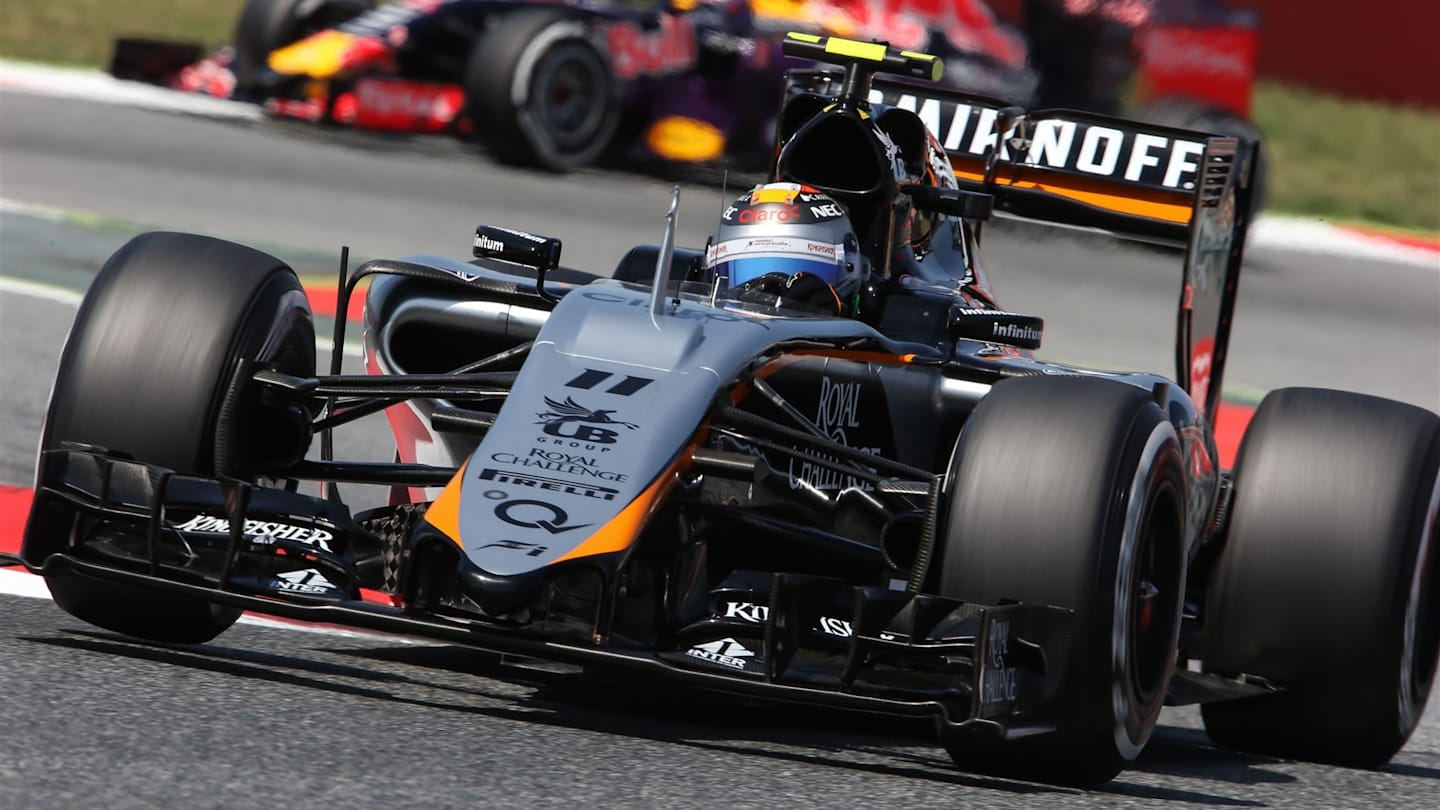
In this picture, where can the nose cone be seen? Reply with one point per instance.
(326, 55)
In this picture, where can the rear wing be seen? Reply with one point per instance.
(1135, 180)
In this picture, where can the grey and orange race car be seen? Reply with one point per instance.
(896, 510)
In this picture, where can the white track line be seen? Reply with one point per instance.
(91, 85)
(16, 582)
(37, 289)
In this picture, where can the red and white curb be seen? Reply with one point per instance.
(1313, 236)
(14, 581)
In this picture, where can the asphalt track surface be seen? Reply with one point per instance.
(266, 715)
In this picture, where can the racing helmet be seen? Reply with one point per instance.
(792, 241)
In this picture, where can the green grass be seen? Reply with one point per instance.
(1340, 160)
(83, 32)
(1351, 160)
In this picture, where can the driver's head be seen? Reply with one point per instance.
(793, 241)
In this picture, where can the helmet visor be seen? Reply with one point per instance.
(742, 260)
(740, 271)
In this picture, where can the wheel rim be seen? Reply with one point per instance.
(1154, 598)
(1147, 600)
(569, 96)
(1421, 635)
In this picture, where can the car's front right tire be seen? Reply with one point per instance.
(1070, 491)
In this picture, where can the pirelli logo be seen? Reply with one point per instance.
(540, 482)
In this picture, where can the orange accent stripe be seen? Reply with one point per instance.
(741, 390)
(444, 512)
(790, 358)
(784, 361)
(621, 531)
(857, 355)
(1144, 203)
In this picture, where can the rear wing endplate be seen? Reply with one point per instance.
(1214, 253)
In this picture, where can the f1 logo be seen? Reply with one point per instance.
(530, 549)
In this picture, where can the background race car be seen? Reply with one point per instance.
(559, 84)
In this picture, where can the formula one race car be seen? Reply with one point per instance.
(850, 485)
(549, 83)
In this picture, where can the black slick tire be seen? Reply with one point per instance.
(146, 371)
(1071, 491)
(1328, 584)
(539, 92)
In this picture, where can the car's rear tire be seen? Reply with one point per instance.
(1328, 583)
(1070, 491)
(147, 370)
(539, 93)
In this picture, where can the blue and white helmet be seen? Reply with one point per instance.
(788, 230)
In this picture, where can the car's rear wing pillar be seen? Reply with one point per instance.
(1214, 254)
(1208, 217)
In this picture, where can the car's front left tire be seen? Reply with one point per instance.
(147, 371)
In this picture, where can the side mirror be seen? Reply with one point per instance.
(519, 247)
(1008, 118)
(952, 202)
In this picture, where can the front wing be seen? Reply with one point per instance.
(991, 671)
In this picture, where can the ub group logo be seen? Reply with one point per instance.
(571, 420)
